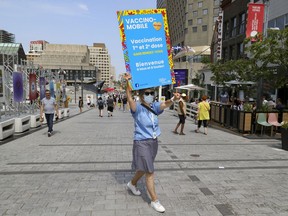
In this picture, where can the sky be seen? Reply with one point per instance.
(81, 22)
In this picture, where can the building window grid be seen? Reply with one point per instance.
(205, 11)
(204, 28)
(234, 27)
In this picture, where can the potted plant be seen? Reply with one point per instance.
(284, 134)
(245, 118)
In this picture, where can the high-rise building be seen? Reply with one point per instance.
(99, 56)
(191, 22)
(6, 37)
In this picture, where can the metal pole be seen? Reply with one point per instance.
(260, 82)
(75, 86)
(82, 82)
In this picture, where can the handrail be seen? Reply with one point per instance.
(191, 110)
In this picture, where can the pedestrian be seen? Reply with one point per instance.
(119, 101)
(203, 114)
(124, 101)
(100, 104)
(88, 101)
(145, 144)
(181, 110)
(110, 105)
(80, 104)
(48, 107)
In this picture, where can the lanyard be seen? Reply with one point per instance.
(153, 124)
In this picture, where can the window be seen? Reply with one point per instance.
(195, 13)
(186, 31)
(216, 2)
(200, 4)
(240, 50)
(205, 11)
(190, 22)
(226, 30)
(242, 23)
(234, 26)
(190, 7)
(204, 28)
(194, 29)
(199, 21)
(216, 10)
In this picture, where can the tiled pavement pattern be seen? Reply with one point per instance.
(83, 168)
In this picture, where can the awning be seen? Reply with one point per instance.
(109, 89)
(190, 87)
(236, 82)
(193, 51)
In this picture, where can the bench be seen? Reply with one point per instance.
(66, 112)
(22, 124)
(7, 128)
(35, 121)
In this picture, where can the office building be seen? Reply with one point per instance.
(73, 59)
(99, 57)
(6, 37)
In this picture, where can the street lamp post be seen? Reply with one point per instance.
(260, 82)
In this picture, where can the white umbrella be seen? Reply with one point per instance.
(185, 51)
(190, 87)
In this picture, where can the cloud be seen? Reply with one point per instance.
(83, 7)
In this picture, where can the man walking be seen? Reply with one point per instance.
(48, 106)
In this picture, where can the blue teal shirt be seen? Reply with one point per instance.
(145, 122)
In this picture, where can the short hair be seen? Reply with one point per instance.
(204, 97)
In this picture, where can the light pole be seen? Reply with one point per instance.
(260, 82)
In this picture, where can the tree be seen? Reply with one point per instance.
(267, 58)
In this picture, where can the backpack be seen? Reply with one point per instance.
(100, 103)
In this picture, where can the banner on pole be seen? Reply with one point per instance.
(1, 84)
(42, 84)
(255, 20)
(32, 87)
(146, 47)
(18, 86)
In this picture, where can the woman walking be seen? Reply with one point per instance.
(203, 114)
(145, 144)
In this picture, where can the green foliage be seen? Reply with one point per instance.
(284, 124)
(247, 107)
(266, 58)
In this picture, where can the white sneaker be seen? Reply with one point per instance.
(133, 189)
(157, 206)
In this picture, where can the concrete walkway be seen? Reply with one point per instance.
(83, 168)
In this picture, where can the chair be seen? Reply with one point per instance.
(273, 120)
(262, 120)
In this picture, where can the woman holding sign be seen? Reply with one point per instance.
(145, 144)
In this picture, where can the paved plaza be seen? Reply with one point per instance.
(83, 169)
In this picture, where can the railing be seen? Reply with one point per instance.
(191, 110)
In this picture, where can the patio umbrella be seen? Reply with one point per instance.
(185, 51)
(190, 87)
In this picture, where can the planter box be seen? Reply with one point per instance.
(284, 138)
(245, 122)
